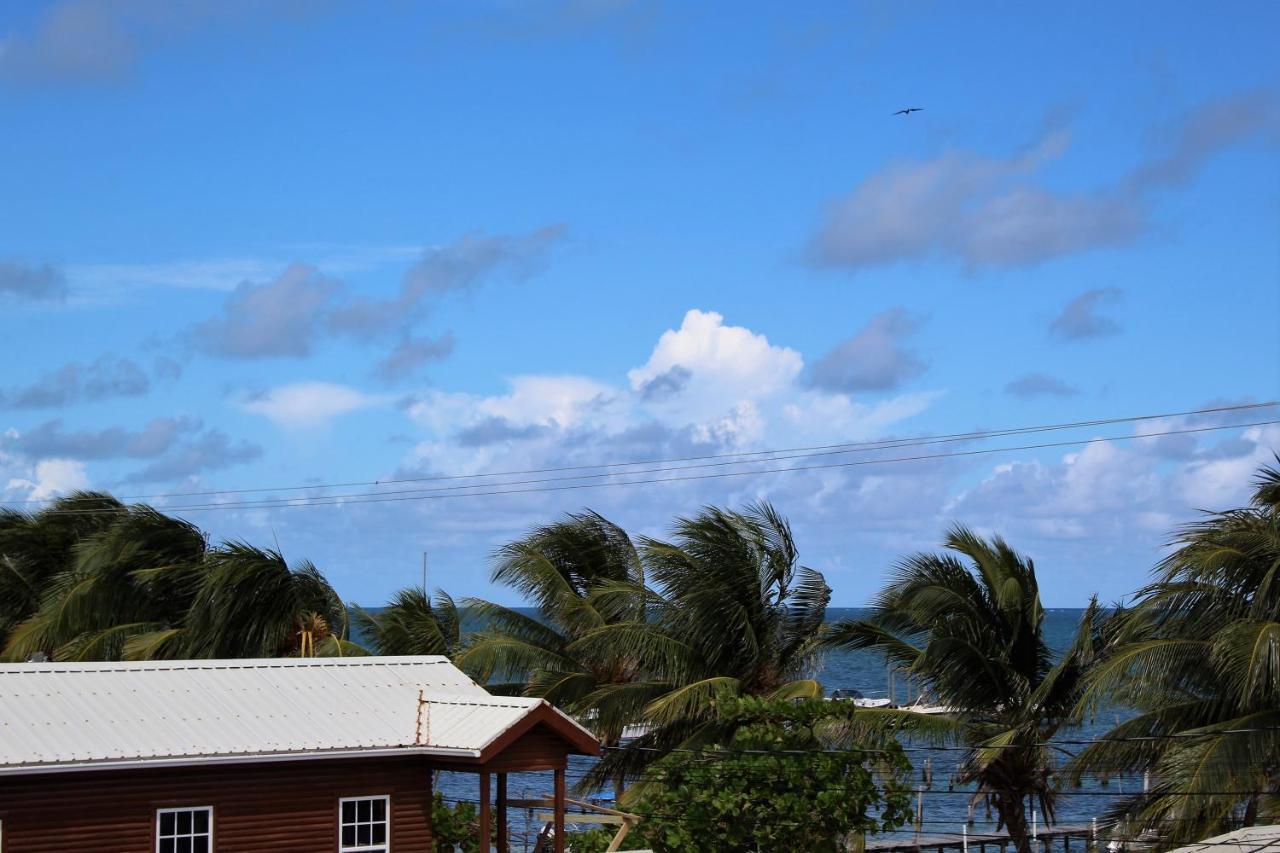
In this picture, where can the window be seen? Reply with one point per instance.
(186, 830)
(363, 825)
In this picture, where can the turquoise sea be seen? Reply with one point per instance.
(945, 806)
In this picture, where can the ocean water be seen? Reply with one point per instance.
(945, 806)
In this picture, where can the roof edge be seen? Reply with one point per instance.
(234, 758)
(220, 664)
(579, 739)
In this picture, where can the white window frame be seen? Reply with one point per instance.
(357, 848)
(176, 810)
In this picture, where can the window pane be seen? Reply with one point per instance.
(379, 810)
(349, 812)
(379, 833)
(363, 834)
(348, 836)
(202, 821)
(166, 823)
(184, 823)
(366, 811)
(166, 845)
(184, 845)
(200, 845)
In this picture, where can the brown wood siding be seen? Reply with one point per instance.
(290, 806)
(540, 748)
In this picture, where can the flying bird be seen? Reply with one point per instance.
(908, 111)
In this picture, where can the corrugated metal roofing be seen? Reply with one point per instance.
(60, 715)
(1253, 839)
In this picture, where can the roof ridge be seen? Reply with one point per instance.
(76, 667)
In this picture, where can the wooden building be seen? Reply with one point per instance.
(319, 754)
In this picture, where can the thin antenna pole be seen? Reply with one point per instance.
(424, 573)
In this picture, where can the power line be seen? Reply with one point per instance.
(903, 831)
(924, 748)
(449, 493)
(738, 458)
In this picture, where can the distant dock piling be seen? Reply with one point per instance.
(965, 842)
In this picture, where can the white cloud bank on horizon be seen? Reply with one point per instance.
(1093, 517)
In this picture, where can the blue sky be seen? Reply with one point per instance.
(249, 245)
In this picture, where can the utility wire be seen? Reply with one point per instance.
(739, 458)
(877, 751)
(448, 492)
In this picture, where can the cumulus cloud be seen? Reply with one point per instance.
(717, 366)
(1080, 318)
(274, 318)
(1040, 385)
(874, 359)
(78, 382)
(308, 405)
(1000, 212)
(22, 281)
(705, 387)
(495, 429)
(49, 478)
(666, 384)
(1111, 494)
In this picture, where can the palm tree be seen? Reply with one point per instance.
(731, 614)
(136, 577)
(251, 604)
(412, 625)
(969, 624)
(582, 573)
(1198, 656)
(36, 546)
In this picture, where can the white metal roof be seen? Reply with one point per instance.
(1253, 839)
(86, 715)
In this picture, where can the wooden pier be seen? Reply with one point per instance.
(986, 842)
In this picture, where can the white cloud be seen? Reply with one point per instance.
(725, 365)
(308, 405)
(51, 477)
(1106, 493)
(1001, 211)
(1222, 480)
(719, 388)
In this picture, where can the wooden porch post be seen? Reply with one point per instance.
(503, 845)
(559, 810)
(484, 811)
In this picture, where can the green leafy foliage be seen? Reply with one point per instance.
(969, 624)
(589, 840)
(91, 579)
(774, 785)
(454, 826)
(1197, 655)
(413, 625)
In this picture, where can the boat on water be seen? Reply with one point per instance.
(920, 706)
(848, 694)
